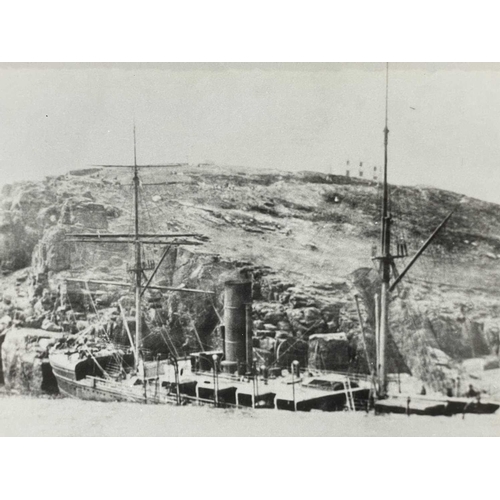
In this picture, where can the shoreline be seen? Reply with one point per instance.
(54, 416)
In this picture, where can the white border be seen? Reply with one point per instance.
(247, 31)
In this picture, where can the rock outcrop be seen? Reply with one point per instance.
(52, 253)
(84, 213)
(303, 239)
(25, 360)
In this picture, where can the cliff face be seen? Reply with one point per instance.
(305, 239)
(24, 355)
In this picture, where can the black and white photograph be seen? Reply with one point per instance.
(249, 249)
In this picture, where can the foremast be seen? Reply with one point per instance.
(138, 239)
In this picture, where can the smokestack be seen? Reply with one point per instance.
(238, 328)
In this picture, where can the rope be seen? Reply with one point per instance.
(221, 320)
(161, 325)
(196, 331)
(296, 341)
(99, 319)
(71, 306)
(98, 365)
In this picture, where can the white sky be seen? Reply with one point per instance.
(290, 116)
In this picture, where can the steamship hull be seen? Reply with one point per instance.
(82, 379)
(470, 405)
(81, 390)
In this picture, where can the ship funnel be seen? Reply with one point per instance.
(238, 326)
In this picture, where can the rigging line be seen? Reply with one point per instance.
(162, 258)
(125, 323)
(221, 320)
(212, 346)
(71, 305)
(83, 332)
(161, 325)
(170, 347)
(173, 350)
(196, 332)
(152, 223)
(105, 373)
(99, 319)
(146, 206)
(297, 340)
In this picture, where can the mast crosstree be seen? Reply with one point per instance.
(387, 264)
(138, 239)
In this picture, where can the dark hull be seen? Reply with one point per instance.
(94, 387)
(90, 387)
(424, 406)
(99, 392)
(472, 406)
(401, 406)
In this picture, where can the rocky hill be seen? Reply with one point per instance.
(306, 240)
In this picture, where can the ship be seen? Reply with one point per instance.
(234, 376)
(95, 368)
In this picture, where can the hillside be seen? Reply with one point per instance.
(306, 239)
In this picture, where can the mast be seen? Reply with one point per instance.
(138, 239)
(138, 263)
(385, 261)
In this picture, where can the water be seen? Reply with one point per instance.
(29, 416)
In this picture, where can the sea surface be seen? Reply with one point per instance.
(45, 416)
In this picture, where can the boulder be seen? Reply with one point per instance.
(50, 326)
(270, 327)
(302, 300)
(85, 212)
(329, 351)
(284, 325)
(331, 311)
(267, 343)
(258, 324)
(269, 312)
(52, 253)
(290, 350)
(25, 360)
(16, 242)
(5, 322)
(273, 288)
(306, 320)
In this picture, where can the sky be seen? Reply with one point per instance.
(444, 119)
